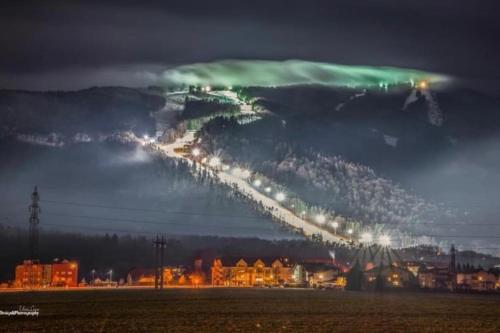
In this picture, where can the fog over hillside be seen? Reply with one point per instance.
(395, 158)
(101, 188)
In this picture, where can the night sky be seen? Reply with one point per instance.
(62, 45)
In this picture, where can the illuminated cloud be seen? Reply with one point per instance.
(293, 72)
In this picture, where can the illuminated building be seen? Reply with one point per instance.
(321, 275)
(241, 274)
(476, 280)
(146, 276)
(392, 277)
(32, 274)
(299, 275)
(64, 274)
(198, 276)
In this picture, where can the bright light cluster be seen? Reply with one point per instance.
(384, 240)
(366, 237)
(214, 162)
(280, 196)
(196, 152)
(320, 218)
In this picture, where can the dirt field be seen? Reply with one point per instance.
(250, 310)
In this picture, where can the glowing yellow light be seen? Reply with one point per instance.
(423, 85)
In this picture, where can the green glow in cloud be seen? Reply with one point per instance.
(293, 72)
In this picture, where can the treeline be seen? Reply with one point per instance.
(204, 108)
(91, 110)
(124, 252)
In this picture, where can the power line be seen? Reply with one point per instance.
(145, 232)
(121, 220)
(248, 217)
(153, 222)
(111, 230)
(72, 203)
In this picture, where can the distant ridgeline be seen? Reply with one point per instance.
(94, 110)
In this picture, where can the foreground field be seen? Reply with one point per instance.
(250, 310)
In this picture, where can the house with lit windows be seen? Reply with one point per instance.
(247, 273)
(476, 279)
(33, 274)
(389, 276)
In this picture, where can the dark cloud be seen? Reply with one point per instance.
(61, 39)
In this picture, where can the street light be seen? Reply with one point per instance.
(384, 240)
(214, 162)
(335, 225)
(280, 196)
(267, 189)
(93, 278)
(350, 231)
(110, 275)
(366, 237)
(257, 182)
(320, 218)
(196, 152)
(245, 174)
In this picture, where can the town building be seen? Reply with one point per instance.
(439, 277)
(323, 275)
(32, 274)
(389, 276)
(240, 274)
(197, 276)
(64, 274)
(146, 276)
(299, 276)
(476, 280)
(436, 277)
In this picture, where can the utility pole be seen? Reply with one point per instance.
(156, 243)
(34, 220)
(162, 255)
(160, 245)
